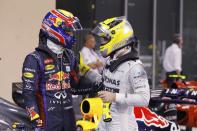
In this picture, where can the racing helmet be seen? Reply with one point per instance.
(58, 25)
(114, 34)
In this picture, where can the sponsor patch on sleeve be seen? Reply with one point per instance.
(29, 70)
(28, 75)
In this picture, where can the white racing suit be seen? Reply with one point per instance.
(129, 81)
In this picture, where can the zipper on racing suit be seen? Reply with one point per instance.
(60, 58)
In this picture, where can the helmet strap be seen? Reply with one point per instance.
(122, 52)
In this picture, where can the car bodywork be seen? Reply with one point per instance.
(11, 113)
(184, 95)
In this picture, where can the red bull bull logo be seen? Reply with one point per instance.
(58, 77)
(150, 118)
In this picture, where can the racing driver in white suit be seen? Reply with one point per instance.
(124, 78)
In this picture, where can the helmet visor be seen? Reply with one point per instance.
(72, 25)
(76, 24)
(101, 34)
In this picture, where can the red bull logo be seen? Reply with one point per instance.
(57, 77)
(150, 118)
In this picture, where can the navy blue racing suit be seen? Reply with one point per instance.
(48, 82)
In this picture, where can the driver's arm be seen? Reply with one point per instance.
(84, 80)
(139, 84)
(30, 80)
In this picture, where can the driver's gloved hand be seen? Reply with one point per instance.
(37, 124)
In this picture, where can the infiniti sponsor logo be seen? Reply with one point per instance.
(59, 94)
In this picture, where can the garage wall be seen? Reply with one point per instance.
(19, 26)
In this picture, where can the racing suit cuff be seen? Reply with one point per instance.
(119, 97)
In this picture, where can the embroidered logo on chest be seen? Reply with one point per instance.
(111, 81)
